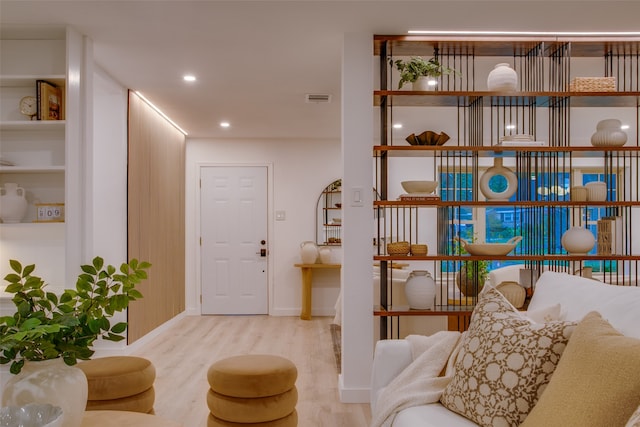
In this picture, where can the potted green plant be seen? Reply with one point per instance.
(472, 275)
(419, 70)
(49, 326)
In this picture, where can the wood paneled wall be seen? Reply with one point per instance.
(156, 206)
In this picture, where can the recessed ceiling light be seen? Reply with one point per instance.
(225, 124)
(189, 78)
(623, 127)
(397, 126)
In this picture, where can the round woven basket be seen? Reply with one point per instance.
(419, 250)
(398, 248)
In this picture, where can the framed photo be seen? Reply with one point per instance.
(50, 212)
(50, 101)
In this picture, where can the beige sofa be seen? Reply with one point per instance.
(577, 297)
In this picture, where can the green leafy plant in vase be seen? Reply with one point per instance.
(417, 67)
(472, 275)
(49, 326)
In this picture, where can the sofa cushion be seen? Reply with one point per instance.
(578, 296)
(505, 362)
(634, 421)
(597, 381)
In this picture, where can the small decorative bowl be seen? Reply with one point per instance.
(419, 186)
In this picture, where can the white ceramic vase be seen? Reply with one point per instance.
(508, 174)
(425, 83)
(596, 191)
(609, 134)
(420, 290)
(326, 255)
(578, 241)
(308, 252)
(502, 77)
(13, 204)
(50, 381)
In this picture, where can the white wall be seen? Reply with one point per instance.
(300, 169)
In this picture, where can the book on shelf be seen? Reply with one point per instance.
(421, 198)
(609, 240)
(50, 101)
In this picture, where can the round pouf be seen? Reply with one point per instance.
(120, 383)
(252, 390)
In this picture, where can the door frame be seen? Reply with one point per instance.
(270, 219)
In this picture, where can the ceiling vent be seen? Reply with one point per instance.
(317, 98)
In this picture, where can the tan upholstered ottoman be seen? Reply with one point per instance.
(121, 383)
(252, 390)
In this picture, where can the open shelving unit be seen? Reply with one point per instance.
(542, 106)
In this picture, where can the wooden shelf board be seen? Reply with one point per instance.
(409, 98)
(522, 203)
(518, 257)
(23, 125)
(439, 310)
(491, 150)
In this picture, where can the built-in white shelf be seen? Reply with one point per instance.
(28, 80)
(23, 125)
(32, 169)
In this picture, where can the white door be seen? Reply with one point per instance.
(233, 217)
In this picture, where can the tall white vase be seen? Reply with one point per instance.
(502, 77)
(13, 204)
(50, 381)
(420, 290)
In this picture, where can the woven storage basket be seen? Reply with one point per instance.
(419, 250)
(398, 248)
(593, 84)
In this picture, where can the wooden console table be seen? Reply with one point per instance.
(307, 272)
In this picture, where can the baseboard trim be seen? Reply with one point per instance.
(322, 312)
(352, 395)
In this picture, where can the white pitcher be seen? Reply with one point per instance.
(308, 252)
(13, 204)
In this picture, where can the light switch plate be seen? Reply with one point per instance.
(357, 196)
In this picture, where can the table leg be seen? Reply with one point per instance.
(305, 313)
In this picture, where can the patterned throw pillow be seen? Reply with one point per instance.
(505, 363)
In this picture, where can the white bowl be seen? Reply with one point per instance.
(489, 249)
(31, 415)
(419, 186)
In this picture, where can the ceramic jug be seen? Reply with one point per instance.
(308, 252)
(420, 290)
(13, 204)
(326, 255)
(502, 77)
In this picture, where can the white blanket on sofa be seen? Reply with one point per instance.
(420, 383)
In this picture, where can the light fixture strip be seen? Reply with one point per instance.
(150, 104)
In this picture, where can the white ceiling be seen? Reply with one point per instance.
(256, 60)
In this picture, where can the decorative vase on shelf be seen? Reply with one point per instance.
(13, 204)
(50, 381)
(420, 290)
(578, 241)
(609, 133)
(425, 83)
(507, 185)
(469, 282)
(308, 252)
(326, 255)
(502, 77)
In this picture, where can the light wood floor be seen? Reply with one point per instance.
(183, 354)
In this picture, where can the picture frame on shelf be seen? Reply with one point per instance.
(50, 101)
(49, 212)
